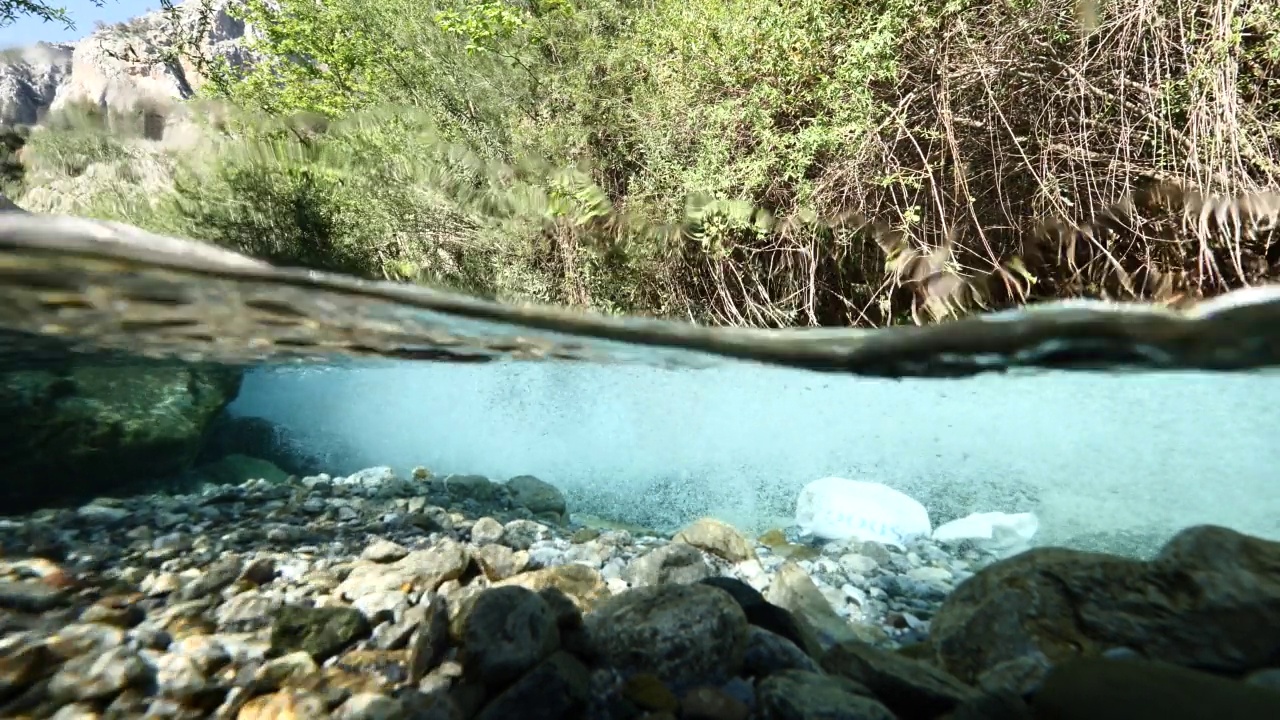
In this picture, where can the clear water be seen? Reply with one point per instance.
(1118, 425)
(1107, 461)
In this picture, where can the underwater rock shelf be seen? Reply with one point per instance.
(72, 284)
(374, 596)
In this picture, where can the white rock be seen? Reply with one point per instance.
(997, 532)
(835, 508)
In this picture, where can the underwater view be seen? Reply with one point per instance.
(640, 518)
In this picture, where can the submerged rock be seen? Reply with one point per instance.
(799, 695)
(259, 438)
(262, 600)
(538, 496)
(766, 615)
(912, 689)
(508, 631)
(1101, 689)
(1210, 599)
(718, 538)
(320, 632)
(674, 563)
(683, 634)
(131, 425)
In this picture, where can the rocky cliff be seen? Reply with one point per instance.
(29, 80)
(122, 66)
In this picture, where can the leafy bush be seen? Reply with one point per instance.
(71, 140)
(634, 156)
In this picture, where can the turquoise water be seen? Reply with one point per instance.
(1091, 454)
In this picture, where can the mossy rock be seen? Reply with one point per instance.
(76, 432)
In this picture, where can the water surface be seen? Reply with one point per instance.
(1101, 418)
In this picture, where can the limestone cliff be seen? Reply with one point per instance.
(122, 66)
(29, 80)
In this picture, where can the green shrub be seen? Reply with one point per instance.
(614, 154)
(71, 140)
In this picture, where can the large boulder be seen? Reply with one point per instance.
(76, 432)
(1210, 599)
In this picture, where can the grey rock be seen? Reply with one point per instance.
(396, 634)
(673, 563)
(537, 495)
(100, 675)
(799, 695)
(794, 590)
(508, 631)
(247, 611)
(217, 576)
(557, 688)
(321, 632)
(684, 634)
(1020, 676)
(499, 562)
(432, 639)
(370, 706)
(768, 653)
(383, 551)
(29, 80)
(486, 530)
(522, 534)
(381, 605)
(907, 687)
(180, 677)
(469, 487)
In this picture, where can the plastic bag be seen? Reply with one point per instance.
(836, 508)
(998, 532)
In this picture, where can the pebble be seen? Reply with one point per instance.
(374, 597)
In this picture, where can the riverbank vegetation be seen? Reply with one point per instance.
(741, 162)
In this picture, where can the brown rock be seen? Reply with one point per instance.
(499, 562)
(423, 569)
(284, 705)
(676, 562)
(582, 584)
(1210, 599)
(718, 538)
(820, 625)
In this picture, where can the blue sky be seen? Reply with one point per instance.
(83, 13)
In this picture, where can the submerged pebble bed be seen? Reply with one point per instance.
(355, 594)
